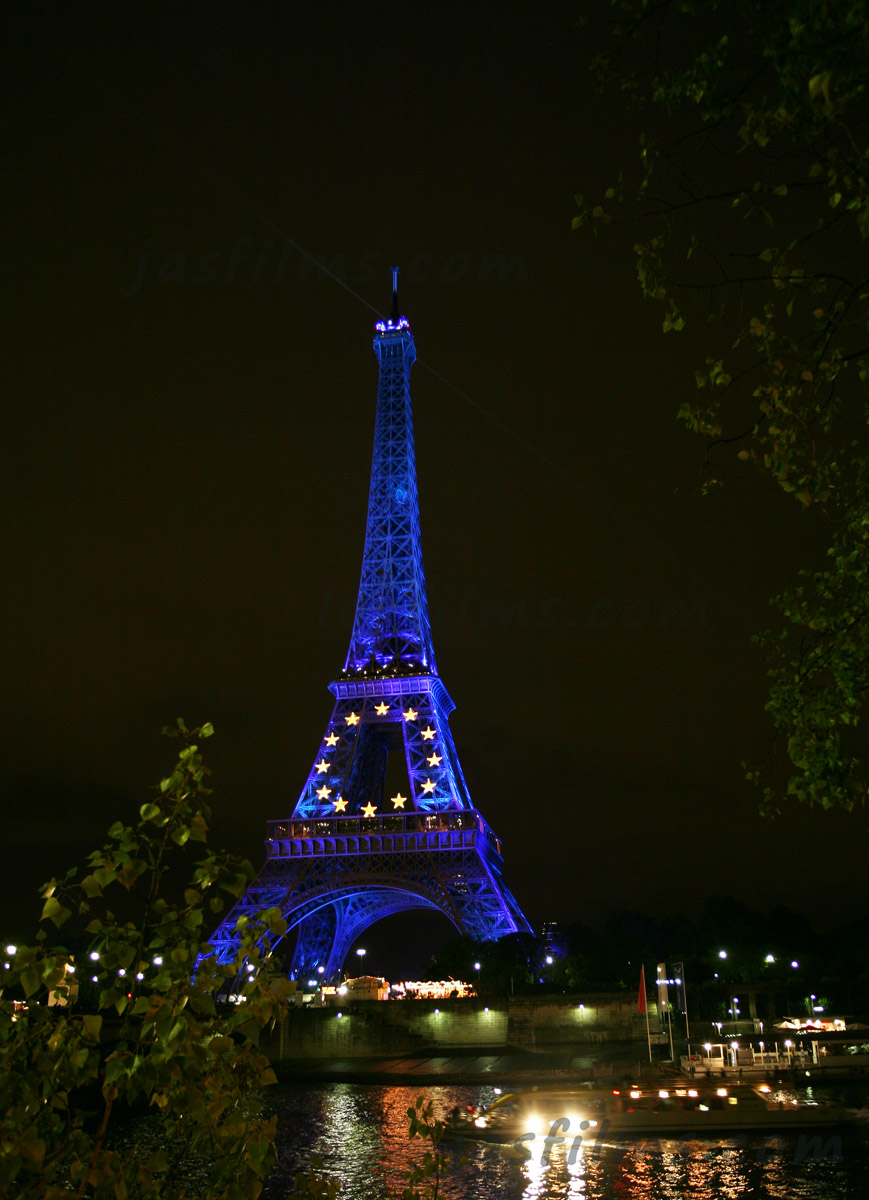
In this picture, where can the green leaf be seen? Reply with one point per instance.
(30, 981)
(91, 1026)
(54, 911)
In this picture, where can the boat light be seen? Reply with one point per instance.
(692, 1091)
(664, 1095)
(721, 1091)
(635, 1095)
(764, 1087)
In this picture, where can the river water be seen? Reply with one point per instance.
(360, 1133)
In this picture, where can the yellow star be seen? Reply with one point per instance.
(322, 766)
(369, 809)
(434, 761)
(353, 719)
(428, 734)
(399, 800)
(410, 715)
(332, 739)
(339, 804)
(428, 787)
(324, 792)
(381, 709)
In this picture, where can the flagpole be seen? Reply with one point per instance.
(645, 1007)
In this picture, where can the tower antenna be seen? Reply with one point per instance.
(395, 313)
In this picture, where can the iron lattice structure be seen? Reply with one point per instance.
(350, 854)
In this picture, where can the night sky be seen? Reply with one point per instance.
(187, 446)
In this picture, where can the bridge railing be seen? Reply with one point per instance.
(296, 830)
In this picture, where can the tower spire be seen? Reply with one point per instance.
(391, 630)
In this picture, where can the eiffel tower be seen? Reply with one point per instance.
(350, 853)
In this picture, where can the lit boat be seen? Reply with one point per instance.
(527, 1118)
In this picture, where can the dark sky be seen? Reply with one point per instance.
(186, 453)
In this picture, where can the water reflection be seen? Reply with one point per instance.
(360, 1132)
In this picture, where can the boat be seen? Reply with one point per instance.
(672, 1112)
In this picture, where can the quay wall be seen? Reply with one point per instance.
(598, 1026)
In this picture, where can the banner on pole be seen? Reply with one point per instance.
(663, 993)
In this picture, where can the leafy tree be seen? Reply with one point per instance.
(748, 207)
(156, 1035)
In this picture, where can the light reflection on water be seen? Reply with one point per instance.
(360, 1132)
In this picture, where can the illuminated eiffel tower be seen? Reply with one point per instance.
(350, 853)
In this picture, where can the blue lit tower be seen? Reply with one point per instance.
(356, 847)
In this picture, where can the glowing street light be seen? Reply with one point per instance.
(549, 960)
(11, 950)
(722, 954)
(361, 952)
